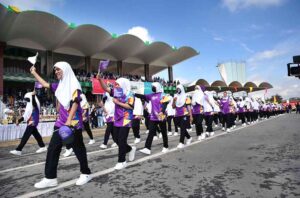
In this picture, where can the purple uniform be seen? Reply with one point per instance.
(183, 111)
(197, 109)
(225, 106)
(156, 101)
(64, 113)
(123, 117)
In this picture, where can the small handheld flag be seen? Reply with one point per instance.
(38, 85)
(33, 59)
(103, 65)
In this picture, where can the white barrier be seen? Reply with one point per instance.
(12, 131)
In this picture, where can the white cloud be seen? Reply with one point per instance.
(45, 5)
(234, 5)
(216, 38)
(141, 32)
(265, 55)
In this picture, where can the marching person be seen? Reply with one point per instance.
(85, 118)
(197, 111)
(182, 106)
(109, 110)
(170, 116)
(225, 108)
(137, 116)
(31, 116)
(124, 101)
(67, 92)
(159, 104)
(208, 104)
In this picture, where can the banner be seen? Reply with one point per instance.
(137, 87)
(147, 87)
(97, 89)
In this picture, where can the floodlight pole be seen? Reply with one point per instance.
(170, 72)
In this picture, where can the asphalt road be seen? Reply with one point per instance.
(260, 160)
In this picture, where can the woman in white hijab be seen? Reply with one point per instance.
(182, 106)
(85, 116)
(67, 93)
(208, 103)
(137, 115)
(31, 116)
(197, 111)
(170, 116)
(123, 116)
(109, 110)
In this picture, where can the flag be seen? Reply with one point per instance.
(38, 85)
(274, 100)
(32, 59)
(103, 65)
(250, 89)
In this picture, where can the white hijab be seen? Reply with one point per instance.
(124, 84)
(170, 110)
(84, 103)
(138, 107)
(208, 104)
(109, 106)
(67, 85)
(198, 96)
(181, 98)
(158, 87)
(29, 106)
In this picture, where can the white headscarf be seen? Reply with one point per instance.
(109, 106)
(67, 85)
(181, 98)
(158, 87)
(29, 106)
(84, 103)
(138, 107)
(170, 111)
(208, 104)
(241, 103)
(198, 96)
(124, 84)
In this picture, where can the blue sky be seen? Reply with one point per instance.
(263, 33)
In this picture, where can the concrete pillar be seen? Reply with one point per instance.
(147, 72)
(43, 64)
(120, 68)
(170, 72)
(88, 66)
(49, 62)
(2, 47)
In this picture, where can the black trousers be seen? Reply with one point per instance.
(54, 150)
(176, 123)
(147, 122)
(242, 117)
(109, 130)
(86, 125)
(216, 118)
(169, 122)
(30, 130)
(136, 128)
(198, 119)
(153, 125)
(121, 135)
(226, 119)
(209, 121)
(182, 123)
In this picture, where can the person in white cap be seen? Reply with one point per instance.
(67, 93)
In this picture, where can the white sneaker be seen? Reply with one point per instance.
(180, 146)
(164, 150)
(120, 165)
(83, 179)
(244, 124)
(211, 134)
(147, 132)
(223, 128)
(189, 141)
(155, 138)
(103, 146)
(170, 133)
(91, 142)
(228, 130)
(160, 136)
(175, 134)
(145, 151)
(199, 138)
(234, 126)
(203, 136)
(206, 134)
(68, 152)
(42, 149)
(15, 152)
(137, 140)
(132, 153)
(114, 145)
(216, 125)
(46, 183)
(189, 130)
